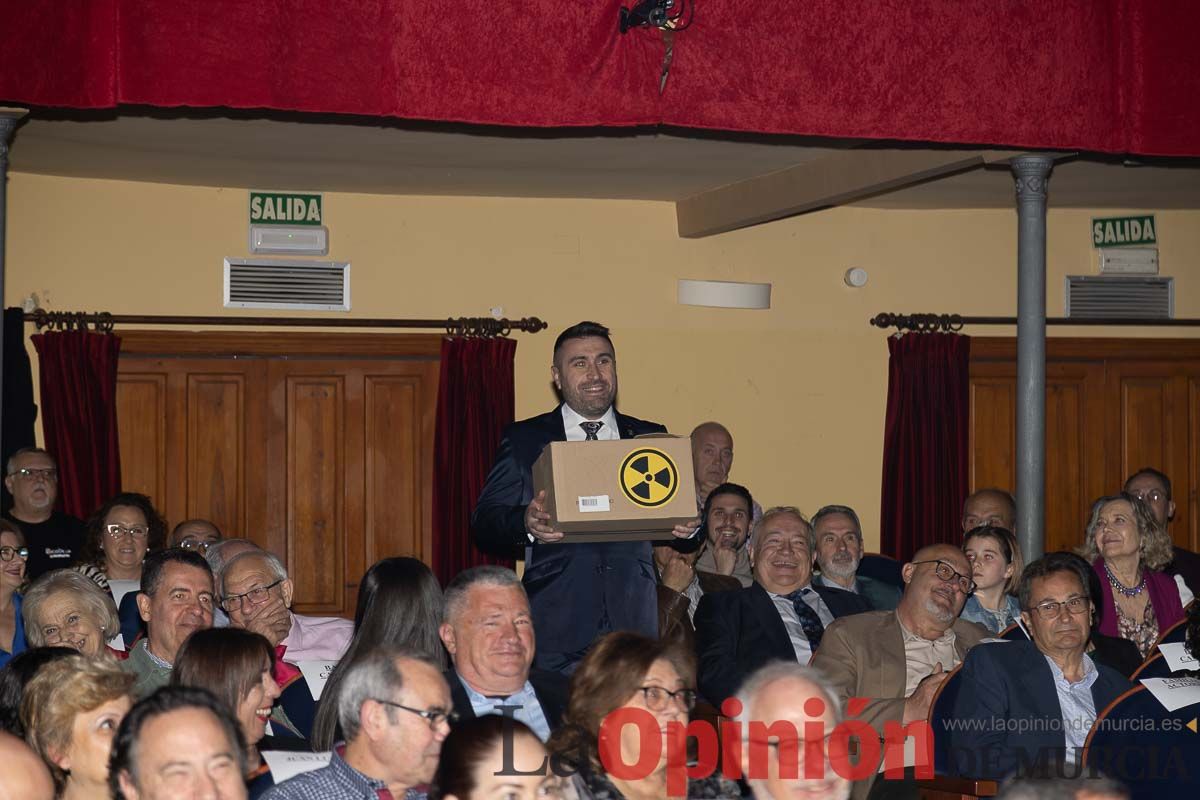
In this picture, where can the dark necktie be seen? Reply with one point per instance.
(809, 621)
(590, 429)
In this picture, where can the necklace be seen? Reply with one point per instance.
(1120, 587)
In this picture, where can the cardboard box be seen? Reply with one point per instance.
(620, 490)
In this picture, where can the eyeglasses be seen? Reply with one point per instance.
(7, 553)
(658, 698)
(1052, 608)
(29, 473)
(256, 596)
(116, 531)
(1152, 496)
(947, 573)
(434, 717)
(199, 546)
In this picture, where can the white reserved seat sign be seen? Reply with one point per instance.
(284, 764)
(316, 673)
(1177, 656)
(1174, 693)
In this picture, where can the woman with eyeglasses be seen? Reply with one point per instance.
(1128, 549)
(65, 608)
(643, 679)
(995, 559)
(13, 555)
(494, 758)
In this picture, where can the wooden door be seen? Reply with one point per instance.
(316, 446)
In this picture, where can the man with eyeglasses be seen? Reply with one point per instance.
(195, 534)
(395, 710)
(55, 539)
(1153, 488)
(1033, 701)
(896, 660)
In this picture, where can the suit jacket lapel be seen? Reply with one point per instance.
(889, 644)
(458, 695)
(763, 609)
(555, 427)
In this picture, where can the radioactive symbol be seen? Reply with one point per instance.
(648, 477)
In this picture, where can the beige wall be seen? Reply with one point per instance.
(802, 386)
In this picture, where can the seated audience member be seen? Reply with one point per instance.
(71, 711)
(15, 676)
(1112, 651)
(218, 555)
(897, 659)
(839, 547)
(784, 693)
(1025, 683)
(726, 523)
(1154, 489)
(119, 535)
(65, 608)
(1128, 549)
(488, 631)
(178, 742)
(994, 507)
(195, 534)
(995, 559)
(399, 605)
(13, 557)
(493, 758)
(256, 593)
(235, 665)
(782, 616)
(54, 538)
(394, 707)
(26, 777)
(680, 587)
(624, 670)
(175, 601)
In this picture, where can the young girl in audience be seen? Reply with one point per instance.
(473, 763)
(996, 566)
(236, 666)
(71, 711)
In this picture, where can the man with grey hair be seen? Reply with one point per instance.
(217, 555)
(394, 709)
(487, 629)
(256, 593)
(54, 538)
(839, 551)
(780, 616)
(784, 694)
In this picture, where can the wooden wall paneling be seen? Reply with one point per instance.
(1186, 524)
(142, 429)
(216, 454)
(993, 449)
(1075, 458)
(392, 485)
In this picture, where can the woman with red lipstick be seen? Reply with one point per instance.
(1128, 549)
(236, 665)
(13, 555)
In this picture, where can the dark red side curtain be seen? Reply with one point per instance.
(79, 415)
(475, 401)
(925, 441)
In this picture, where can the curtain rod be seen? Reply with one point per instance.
(952, 323)
(460, 326)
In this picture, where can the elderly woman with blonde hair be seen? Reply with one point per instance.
(71, 711)
(66, 608)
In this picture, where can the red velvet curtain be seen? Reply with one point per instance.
(78, 378)
(925, 441)
(475, 402)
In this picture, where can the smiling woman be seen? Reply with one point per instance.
(13, 556)
(65, 608)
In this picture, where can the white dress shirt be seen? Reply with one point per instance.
(608, 431)
(528, 707)
(791, 621)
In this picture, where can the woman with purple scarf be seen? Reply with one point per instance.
(1128, 549)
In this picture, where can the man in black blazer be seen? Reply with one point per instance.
(577, 591)
(781, 616)
(1031, 702)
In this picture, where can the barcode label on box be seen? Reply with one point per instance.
(597, 502)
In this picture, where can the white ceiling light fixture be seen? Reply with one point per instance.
(724, 294)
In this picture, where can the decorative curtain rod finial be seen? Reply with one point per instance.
(920, 323)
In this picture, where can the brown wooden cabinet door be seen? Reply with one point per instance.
(325, 460)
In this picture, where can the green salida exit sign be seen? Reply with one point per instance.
(285, 208)
(1123, 231)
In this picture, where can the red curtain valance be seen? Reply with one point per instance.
(1097, 75)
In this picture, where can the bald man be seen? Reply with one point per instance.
(994, 507)
(898, 659)
(25, 775)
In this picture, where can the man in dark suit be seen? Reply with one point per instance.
(1032, 702)
(780, 616)
(488, 631)
(576, 591)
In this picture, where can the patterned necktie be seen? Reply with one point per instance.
(809, 621)
(590, 429)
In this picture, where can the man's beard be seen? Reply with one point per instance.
(940, 614)
(843, 572)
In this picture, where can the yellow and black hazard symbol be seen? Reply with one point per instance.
(649, 477)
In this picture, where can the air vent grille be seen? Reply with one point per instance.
(1106, 297)
(279, 283)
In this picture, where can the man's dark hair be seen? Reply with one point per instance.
(124, 757)
(1048, 565)
(729, 488)
(582, 330)
(1153, 473)
(156, 563)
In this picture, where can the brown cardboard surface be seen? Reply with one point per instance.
(646, 483)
